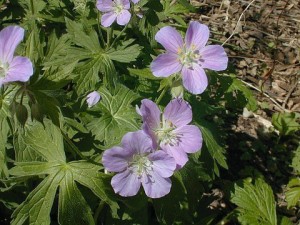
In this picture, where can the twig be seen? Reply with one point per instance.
(289, 94)
(266, 95)
(238, 22)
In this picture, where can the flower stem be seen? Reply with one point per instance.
(120, 34)
(100, 31)
(32, 6)
(98, 211)
(161, 95)
(109, 35)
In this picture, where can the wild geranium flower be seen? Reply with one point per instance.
(137, 164)
(170, 130)
(189, 57)
(117, 9)
(13, 68)
(93, 98)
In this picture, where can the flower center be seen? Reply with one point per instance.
(140, 164)
(166, 135)
(118, 7)
(188, 56)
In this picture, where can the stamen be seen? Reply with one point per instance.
(140, 164)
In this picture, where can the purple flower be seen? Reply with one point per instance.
(117, 9)
(171, 130)
(190, 57)
(93, 98)
(13, 68)
(135, 1)
(137, 164)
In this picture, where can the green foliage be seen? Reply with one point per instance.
(296, 161)
(286, 123)
(60, 174)
(293, 192)
(256, 203)
(216, 151)
(117, 116)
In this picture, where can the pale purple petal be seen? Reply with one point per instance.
(194, 79)
(197, 35)
(150, 113)
(126, 183)
(108, 18)
(190, 138)
(156, 186)
(179, 112)
(214, 57)
(152, 135)
(10, 37)
(163, 163)
(137, 142)
(178, 154)
(124, 3)
(169, 38)
(93, 98)
(123, 18)
(165, 65)
(20, 69)
(116, 159)
(105, 5)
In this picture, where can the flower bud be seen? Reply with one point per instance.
(93, 98)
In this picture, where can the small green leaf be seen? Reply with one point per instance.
(256, 203)
(296, 161)
(293, 192)
(286, 123)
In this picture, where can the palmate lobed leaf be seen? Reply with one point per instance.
(47, 141)
(256, 203)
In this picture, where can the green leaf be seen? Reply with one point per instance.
(38, 203)
(72, 205)
(286, 123)
(126, 55)
(296, 161)
(83, 36)
(88, 175)
(4, 129)
(216, 151)
(88, 75)
(285, 221)
(237, 85)
(167, 208)
(293, 192)
(24, 169)
(73, 209)
(256, 203)
(143, 73)
(46, 140)
(118, 116)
